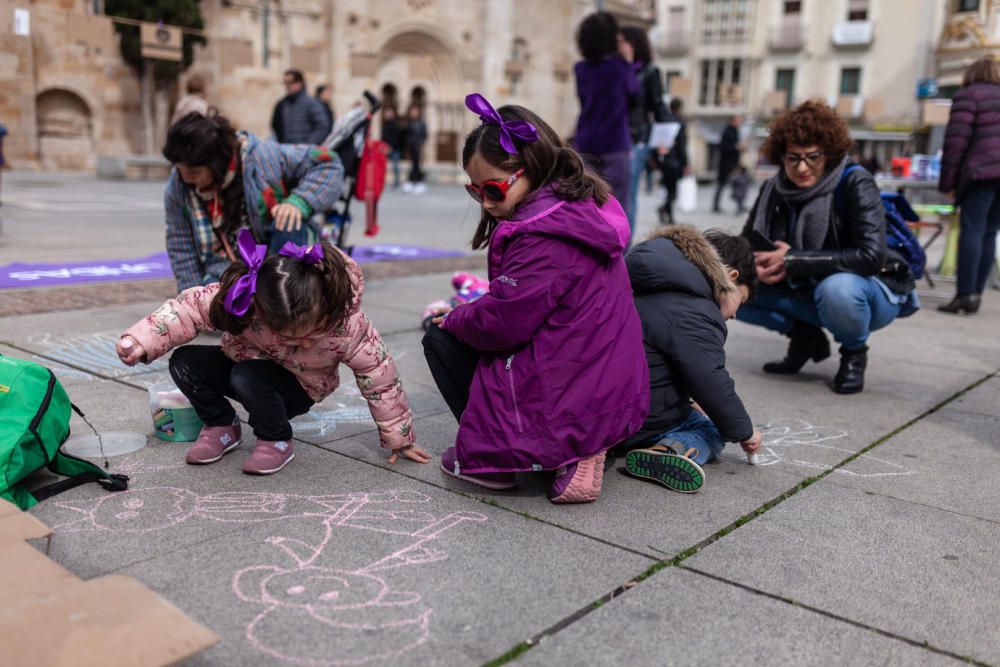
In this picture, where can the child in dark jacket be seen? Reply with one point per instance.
(686, 285)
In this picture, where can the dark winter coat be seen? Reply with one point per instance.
(647, 104)
(677, 279)
(729, 150)
(561, 374)
(855, 242)
(676, 159)
(972, 141)
(300, 119)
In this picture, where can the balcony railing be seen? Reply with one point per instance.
(853, 34)
(789, 36)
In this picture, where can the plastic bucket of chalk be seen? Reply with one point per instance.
(173, 417)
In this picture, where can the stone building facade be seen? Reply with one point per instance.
(756, 57)
(66, 95)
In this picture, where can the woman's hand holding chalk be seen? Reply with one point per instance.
(752, 446)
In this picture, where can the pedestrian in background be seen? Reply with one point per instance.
(606, 85)
(647, 108)
(730, 148)
(193, 102)
(3, 133)
(299, 118)
(675, 164)
(416, 136)
(970, 172)
(739, 187)
(324, 95)
(391, 135)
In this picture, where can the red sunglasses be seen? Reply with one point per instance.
(493, 190)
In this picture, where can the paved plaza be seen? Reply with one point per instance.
(868, 534)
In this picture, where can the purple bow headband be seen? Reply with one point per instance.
(310, 254)
(509, 129)
(240, 295)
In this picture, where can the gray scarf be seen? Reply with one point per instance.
(814, 205)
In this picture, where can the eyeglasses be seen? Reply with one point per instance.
(811, 159)
(493, 190)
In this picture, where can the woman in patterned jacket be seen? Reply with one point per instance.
(224, 181)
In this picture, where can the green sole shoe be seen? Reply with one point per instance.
(677, 473)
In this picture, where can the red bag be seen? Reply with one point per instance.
(371, 171)
(371, 181)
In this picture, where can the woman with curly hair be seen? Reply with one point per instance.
(224, 181)
(819, 228)
(607, 85)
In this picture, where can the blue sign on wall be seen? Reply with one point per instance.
(927, 88)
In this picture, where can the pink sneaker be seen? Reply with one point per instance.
(580, 482)
(213, 443)
(269, 457)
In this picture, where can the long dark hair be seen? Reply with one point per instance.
(639, 40)
(545, 161)
(290, 294)
(210, 141)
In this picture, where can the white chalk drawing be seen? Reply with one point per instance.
(796, 442)
(93, 352)
(349, 609)
(344, 406)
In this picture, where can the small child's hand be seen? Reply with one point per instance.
(411, 452)
(752, 446)
(129, 351)
(441, 315)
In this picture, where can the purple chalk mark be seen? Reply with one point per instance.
(157, 265)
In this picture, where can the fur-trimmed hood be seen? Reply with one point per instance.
(658, 264)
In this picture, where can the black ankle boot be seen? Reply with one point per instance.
(851, 376)
(963, 303)
(808, 342)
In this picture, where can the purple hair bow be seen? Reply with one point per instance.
(310, 254)
(509, 129)
(240, 295)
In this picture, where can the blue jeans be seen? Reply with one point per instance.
(848, 305)
(696, 431)
(637, 165)
(977, 241)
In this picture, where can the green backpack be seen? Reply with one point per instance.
(34, 423)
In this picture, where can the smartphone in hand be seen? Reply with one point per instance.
(759, 242)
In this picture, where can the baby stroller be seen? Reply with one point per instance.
(347, 140)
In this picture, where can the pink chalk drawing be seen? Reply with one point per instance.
(348, 609)
(799, 443)
(357, 617)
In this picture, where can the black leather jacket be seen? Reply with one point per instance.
(855, 243)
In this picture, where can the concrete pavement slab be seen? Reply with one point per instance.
(677, 617)
(915, 571)
(983, 400)
(948, 460)
(171, 505)
(398, 574)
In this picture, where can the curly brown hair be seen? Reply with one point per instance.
(812, 123)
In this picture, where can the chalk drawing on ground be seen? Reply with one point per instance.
(343, 602)
(344, 406)
(796, 442)
(93, 352)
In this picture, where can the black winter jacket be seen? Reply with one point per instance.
(300, 119)
(676, 278)
(648, 103)
(855, 243)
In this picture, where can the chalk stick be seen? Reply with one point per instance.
(752, 458)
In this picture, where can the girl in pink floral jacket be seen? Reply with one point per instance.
(289, 321)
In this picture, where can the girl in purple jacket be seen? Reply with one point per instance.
(547, 370)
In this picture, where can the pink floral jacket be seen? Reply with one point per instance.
(355, 343)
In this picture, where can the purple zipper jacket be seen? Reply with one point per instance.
(562, 374)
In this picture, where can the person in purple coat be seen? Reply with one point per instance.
(546, 371)
(970, 172)
(607, 86)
